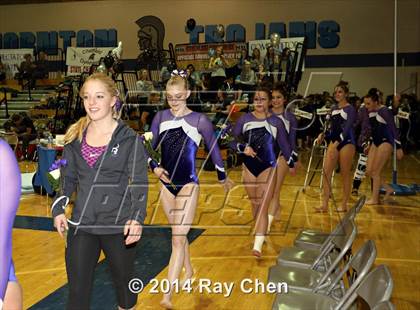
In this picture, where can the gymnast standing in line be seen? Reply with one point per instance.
(278, 104)
(260, 136)
(10, 290)
(178, 131)
(384, 137)
(341, 146)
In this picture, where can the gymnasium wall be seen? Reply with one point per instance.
(363, 54)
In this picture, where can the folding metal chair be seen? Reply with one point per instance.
(314, 239)
(331, 252)
(375, 288)
(331, 282)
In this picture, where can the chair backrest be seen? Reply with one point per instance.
(351, 214)
(360, 263)
(355, 209)
(365, 256)
(342, 240)
(360, 203)
(376, 287)
(385, 305)
(341, 237)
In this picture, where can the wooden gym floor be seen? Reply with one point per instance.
(223, 252)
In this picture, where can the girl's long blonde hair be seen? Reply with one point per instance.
(76, 130)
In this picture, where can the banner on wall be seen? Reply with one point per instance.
(80, 59)
(12, 58)
(198, 54)
(293, 44)
(290, 43)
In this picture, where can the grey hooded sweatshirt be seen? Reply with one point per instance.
(110, 193)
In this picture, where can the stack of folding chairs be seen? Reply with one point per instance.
(322, 273)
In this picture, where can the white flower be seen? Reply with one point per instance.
(55, 174)
(148, 136)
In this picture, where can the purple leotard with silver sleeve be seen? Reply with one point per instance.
(342, 125)
(290, 124)
(178, 139)
(267, 137)
(383, 127)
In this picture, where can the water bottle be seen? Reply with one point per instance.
(50, 141)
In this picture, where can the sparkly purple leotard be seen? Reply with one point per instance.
(267, 137)
(383, 127)
(10, 184)
(178, 139)
(290, 124)
(342, 126)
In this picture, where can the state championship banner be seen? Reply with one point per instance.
(11, 58)
(80, 59)
(198, 54)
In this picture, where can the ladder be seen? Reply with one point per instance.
(320, 156)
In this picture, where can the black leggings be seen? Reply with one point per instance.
(82, 254)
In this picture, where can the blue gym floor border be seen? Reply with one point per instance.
(152, 256)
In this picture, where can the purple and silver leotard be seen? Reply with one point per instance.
(290, 124)
(383, 127)
(10, 184)
(342, 122)
(267, 137)
(178, 139)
